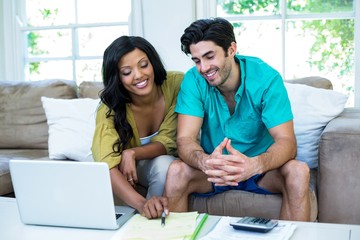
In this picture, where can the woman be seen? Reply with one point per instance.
(136, 123)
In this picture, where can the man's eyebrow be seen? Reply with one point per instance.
(204, 55)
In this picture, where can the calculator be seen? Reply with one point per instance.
(255, 224)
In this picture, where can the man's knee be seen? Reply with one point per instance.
(296, 174)
(177, 170)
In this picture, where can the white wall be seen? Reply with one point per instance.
(2, 58)
(164, 22)
(10, 59)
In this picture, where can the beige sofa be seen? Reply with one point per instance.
(334, 188)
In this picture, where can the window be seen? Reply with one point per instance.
(66, 39)
(299, 38)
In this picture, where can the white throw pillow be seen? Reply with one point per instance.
(313, 108)
(71, 127)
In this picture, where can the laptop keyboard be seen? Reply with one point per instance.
(117, 215)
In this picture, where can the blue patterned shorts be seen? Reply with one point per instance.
(249, 185)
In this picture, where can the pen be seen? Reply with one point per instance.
(163, 219)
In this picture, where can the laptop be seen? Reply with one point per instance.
(66, 194)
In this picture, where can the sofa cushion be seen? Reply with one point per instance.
(22, 118)
(70, 130)
(313, 108)
(8, 154)
(5, 179)
(239, 203)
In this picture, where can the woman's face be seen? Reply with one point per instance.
(136, 73)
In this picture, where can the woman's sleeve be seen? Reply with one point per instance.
(104, 137)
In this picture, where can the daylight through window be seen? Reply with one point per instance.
(299, 38)
(66, 39)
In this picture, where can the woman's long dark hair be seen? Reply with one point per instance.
(114, 95)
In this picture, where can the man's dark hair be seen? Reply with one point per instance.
(217, 30)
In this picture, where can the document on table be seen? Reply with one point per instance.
(223, 230)
(177, 226)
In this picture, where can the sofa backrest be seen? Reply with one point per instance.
(22, 118)
(313, 81)
(92, 89)
(89, 89)
(23, 121)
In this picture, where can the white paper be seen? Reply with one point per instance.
(223, 230)
(177, 226)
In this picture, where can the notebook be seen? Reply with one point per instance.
(67, 194)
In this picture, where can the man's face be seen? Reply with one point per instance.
(212, 62)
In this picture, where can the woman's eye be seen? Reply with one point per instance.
(144, 65)
(125, 73)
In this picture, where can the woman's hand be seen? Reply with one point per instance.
(155, 206)
(127, 166)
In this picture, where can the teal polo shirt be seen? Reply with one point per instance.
(261, 103)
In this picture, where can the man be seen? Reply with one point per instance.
(247, 139)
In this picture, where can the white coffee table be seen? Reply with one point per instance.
(11, 228)
(316, 231)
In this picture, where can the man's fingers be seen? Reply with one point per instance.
(224, 170)
(232, 170)
(219, 149)
(232, 150)
(227, 166)
(215, 162)
(222, 182)
(225, 159)
(227, 184)
(215, 173)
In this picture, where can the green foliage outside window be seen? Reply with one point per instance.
(33, 38)
(333, 49)
(250, 6)
(34, 50)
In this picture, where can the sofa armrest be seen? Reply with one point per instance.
(339, 169)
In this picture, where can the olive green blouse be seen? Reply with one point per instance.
(105, 134)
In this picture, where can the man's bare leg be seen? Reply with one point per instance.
(292, 180)
(181, 181)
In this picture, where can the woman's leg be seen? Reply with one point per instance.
(152, 174)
